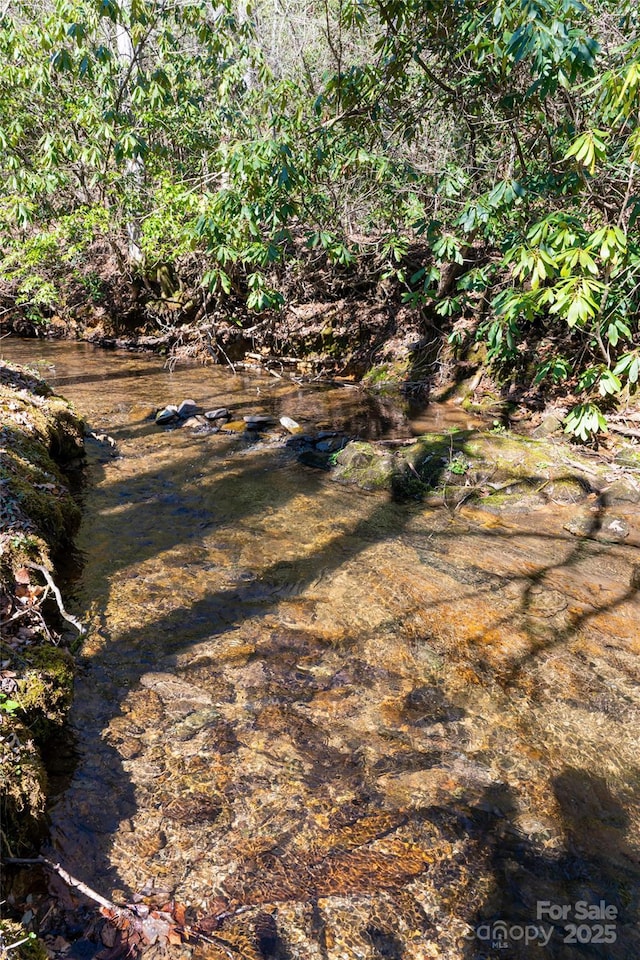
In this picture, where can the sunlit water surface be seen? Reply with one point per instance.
(402, 731)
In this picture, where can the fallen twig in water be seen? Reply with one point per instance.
(67, 877)
(51, 584)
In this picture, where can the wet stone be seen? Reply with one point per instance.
(167, 415)
(614, 529)
(234, 426)
(258, 420)
(610, 529)
(194, 723)
(623, 490)
(197, 423)
(428, 705)
(313, 458)
(299, 441)
(290, 425)
(220, 413)
(188, 408)
(193, 808)
(331, 444)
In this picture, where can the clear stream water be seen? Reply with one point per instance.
(401, 731)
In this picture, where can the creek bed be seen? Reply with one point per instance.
(398, 730)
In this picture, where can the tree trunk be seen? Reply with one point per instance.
(134, 167)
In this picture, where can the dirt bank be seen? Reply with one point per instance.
(41, 438)
(333, 322)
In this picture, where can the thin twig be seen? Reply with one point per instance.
(20, 613)
(221, 349)
(68, 878)
(63, 613)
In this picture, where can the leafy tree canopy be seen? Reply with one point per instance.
(502, 135)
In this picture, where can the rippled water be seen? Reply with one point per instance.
(400, 731)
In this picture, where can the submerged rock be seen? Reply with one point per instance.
(312, 458)
(611, 529)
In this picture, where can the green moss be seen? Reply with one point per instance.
(31, 949)
(24, 787)
(628, 457)
(391, 374)
(376, 375)
(41, 494)
(38, 516)
(46, 688)
(17, 549)
(406, 486)
(40, 415)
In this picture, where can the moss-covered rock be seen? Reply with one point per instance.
(388, 376)
(500, 468)
(366, 465)
(409, 473)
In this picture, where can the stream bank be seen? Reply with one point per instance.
(41, 439)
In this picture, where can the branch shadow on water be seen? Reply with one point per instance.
(102, 796)
(576, 900)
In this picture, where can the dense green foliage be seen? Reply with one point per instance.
(502, 136)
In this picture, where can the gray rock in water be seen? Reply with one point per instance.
(332, 444)
(623, 490)
(299, 440)
(258, 420)
(220, 413)
(614, 529)
(197, 423)
(290, 425)
(611, 529)
(188, 408)
(311, 458)
(167, 414)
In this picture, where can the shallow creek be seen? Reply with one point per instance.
(402, 732)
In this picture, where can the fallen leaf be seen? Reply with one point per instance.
(27, 593)
(179, 913)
